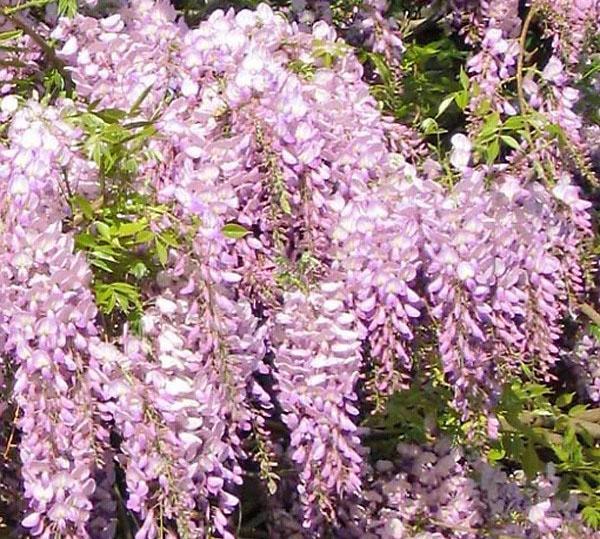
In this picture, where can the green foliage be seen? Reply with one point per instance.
(126, 236)
(417, 414)
(48, 78)
(67, 8)
(429, 73)
(328, 53)
(123, 248)
(9, 57)
(296, 274)
(8, 36)
(305, 70)
(537, 428)
(54, 83)
(589, 104)
(496, 134)
(115, 146)
(31, 4)
(460, 97)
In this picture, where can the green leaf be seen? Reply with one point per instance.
(462, 99)
(68, 8)
(445, 104)
(114, 133)
(122, 302)
(492, 151)
(464, 79)
(483, 107)
(85, 240)
(105, 251)
(584, 486)
(539, 170)
(234, 231)
(96, 152)
(161, 252)
(169, 238)
(139, 270)
(577, 409)
(561, 453)
(496, 453)
(131, 229)
(490, 127)
(144, 236)
(102, 255)
(138, 102)
(510, 141)
(530, 460)
(102, 265)
(111, 303)
(10, 34)
(92, 106)
(110, 116)
(591, 516)
(430, 127)
(124, 288)
(381, 66)
(105, 297)
(535, 390)
(514, 123)
(301, 68)
(557, 131)
(124, 295)
(285, 204)
(103, 229)
(564, 400)
(84, 205)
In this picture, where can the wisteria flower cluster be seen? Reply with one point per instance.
(219, 257)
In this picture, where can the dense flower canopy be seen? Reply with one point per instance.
(219, 256)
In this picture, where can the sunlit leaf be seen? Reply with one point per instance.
(234, 231)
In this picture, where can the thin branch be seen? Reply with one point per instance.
(520, 60)
(9, 444)
(590, 312)
(32, 3)
(12, 63)
(439, 12)
(49, 51)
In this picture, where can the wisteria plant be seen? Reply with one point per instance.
(299, 269)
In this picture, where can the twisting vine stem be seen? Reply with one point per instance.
(521, 58)
(590, 312)
(48, 51)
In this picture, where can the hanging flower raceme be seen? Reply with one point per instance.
(379, 241)
(47, 318)
(317, 367)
